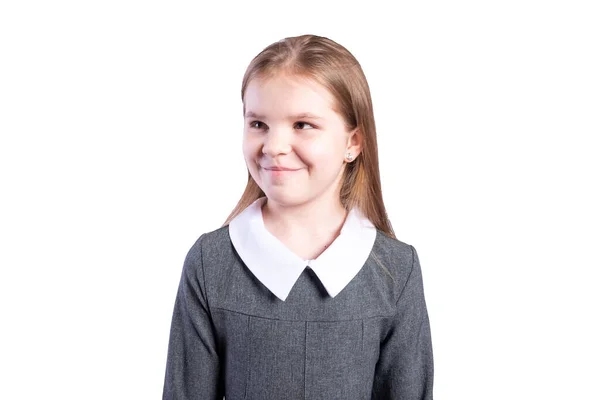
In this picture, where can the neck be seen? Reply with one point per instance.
(316, 218)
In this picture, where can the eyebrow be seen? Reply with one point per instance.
(251, 114)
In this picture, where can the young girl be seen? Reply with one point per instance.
(304, 293)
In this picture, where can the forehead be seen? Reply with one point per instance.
(285, 95)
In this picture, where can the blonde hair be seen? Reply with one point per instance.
(333, 66)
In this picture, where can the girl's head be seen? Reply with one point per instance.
(307, 107)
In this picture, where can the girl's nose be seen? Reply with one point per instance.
(276, 142)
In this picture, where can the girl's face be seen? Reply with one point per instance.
(294, 143)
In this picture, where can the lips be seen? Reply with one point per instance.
(280, 169)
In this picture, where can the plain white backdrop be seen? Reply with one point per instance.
(121, 126)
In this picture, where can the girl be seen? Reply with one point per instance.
(304, 292)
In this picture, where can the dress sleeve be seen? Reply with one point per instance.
(193, 365)
(405, 367)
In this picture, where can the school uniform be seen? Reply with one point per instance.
(252, 320)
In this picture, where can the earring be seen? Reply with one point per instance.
(349, 156)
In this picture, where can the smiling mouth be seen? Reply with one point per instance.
(275, 172)
(281, 170)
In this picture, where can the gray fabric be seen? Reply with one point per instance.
(232, 338)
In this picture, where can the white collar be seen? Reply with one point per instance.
(278, 268)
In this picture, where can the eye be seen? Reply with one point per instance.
(304, 123)
(253, 124)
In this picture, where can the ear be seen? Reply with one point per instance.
(354, 143)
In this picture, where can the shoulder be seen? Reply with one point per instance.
(211, 244)
(394, 260)
(392, 249)
(208, 257)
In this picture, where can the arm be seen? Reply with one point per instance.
(405, 367)
(193, 361)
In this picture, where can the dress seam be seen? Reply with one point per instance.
(303, 320)
(247, 359)
(305, 355)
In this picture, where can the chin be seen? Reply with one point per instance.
(285, 196)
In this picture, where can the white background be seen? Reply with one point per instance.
(121, 127)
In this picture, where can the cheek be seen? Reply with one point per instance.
(322, 151)
(249, 147)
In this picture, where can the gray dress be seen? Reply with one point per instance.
(232, 338)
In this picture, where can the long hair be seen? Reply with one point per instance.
(334, 67)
